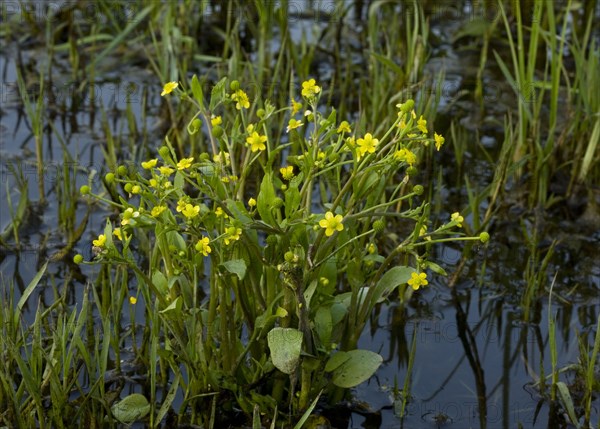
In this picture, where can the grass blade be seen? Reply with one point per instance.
(29, 290)
(121, 37)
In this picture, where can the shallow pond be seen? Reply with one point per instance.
(478, 358)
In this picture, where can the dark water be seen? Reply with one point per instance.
(477, 359)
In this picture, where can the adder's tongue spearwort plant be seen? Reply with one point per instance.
(282, 235)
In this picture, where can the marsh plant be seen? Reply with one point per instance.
(258, 261)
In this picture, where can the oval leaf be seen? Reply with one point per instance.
(359, 367)
(285, 345)
(336, 360)
(236, 266)
(197, 91)
(131, 408)
(390, 281)
(266, 200)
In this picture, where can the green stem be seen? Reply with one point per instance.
(352, 240)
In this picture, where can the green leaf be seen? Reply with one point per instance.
(266, 199)
(29, 290)
(359, 367)
(338, 312)
(132, 408)
(175, 239)
(121, 37)
(174, 308)
(197, 91)
(178, 181)
(336, 360)
(292, 200)
(436, 268)
(328, 122)
(285, 345)
(236, 266)
(324, 325)
(307, 413)
(368, 184)
(590, 150)
(160, 281)
(217, 94)
(388, 63)
(346, 298)
(310, 291)
(166, 405)
(108, 230)
(354, 273)
(390, 281)
(238, 211)
(567, 401)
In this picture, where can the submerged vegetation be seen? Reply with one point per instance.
(272, 177)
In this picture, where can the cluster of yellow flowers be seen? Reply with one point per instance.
(193, 211)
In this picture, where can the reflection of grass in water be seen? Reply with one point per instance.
(575, 398)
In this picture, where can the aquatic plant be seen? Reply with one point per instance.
(260, 259)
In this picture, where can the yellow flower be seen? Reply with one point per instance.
(250, 128)
(216, 120)
(166, 171)
(310, 88)
(439, 140)
(222, 158)
(185, 163)
(168, 88)
(402, 124)
(147, 165)
(136, 189)
(190, 211)
(132, 300)
(344, 127)
(456, 217)
(128, 215)
(418, 280)
(331, 223)
(296, 107)
(118, 233)
(153, 183)
(233, 178)
(422, 124)
(233, 234)
(405, 155)
(251, 202)
(241, 99)
(423, 231)
(203, 247)
(219, 212)
(181, 205)
(100, 242)
(287, 172)
(256, 142)
(293, 124)
(367, 144)
(157, 210)
(351, 142)
(371, 248)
